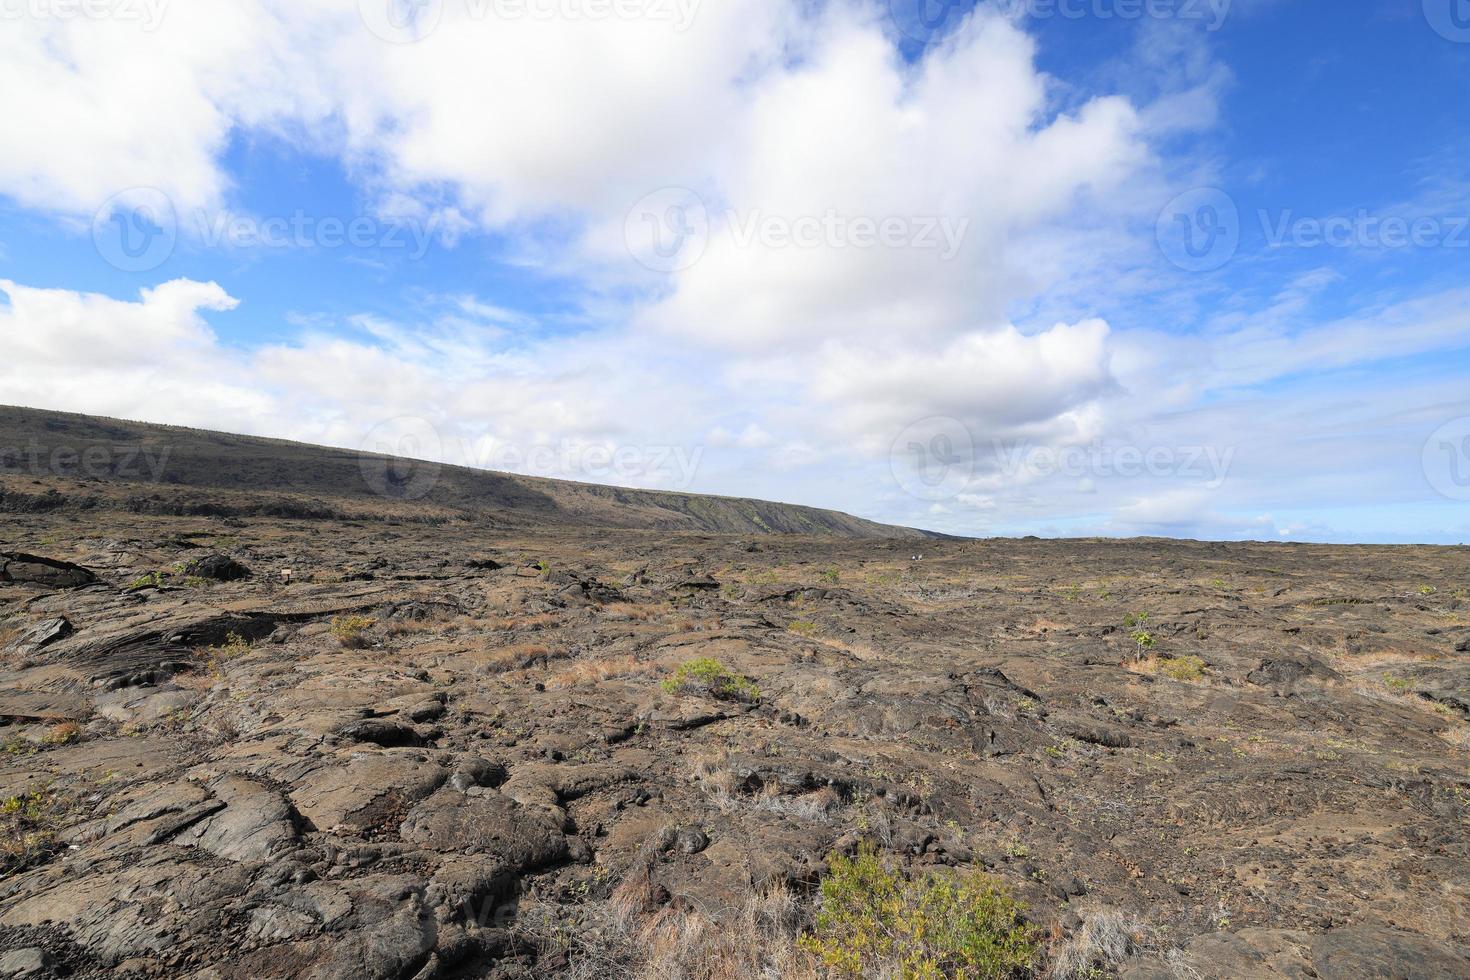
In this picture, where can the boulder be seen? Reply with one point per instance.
(217, 568)
(34, 570)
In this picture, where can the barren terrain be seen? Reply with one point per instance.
(354, 742)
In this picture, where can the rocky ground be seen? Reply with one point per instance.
(337, 748)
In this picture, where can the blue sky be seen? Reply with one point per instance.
(1052, 266)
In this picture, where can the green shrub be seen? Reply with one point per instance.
(234, 646)
(153, 580)
(706, 675)
(876, 922)
(350, 630)
(28, 825)
(1183, 668)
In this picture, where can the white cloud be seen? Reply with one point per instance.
(998, 383)
(156, 358)
(795, 362)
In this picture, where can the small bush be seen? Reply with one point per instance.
(1183, 668)
(706, 675)
(876, 923)
(15, 745)
(28, 826)
(803, 627)
(350, 630)
(153, 580)
(234, 646)
(1142, 638)
(62, 733)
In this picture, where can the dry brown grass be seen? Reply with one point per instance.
(434, 621)
(637, 611)
(622, 939)
(1458, 736)
(536, 621)
(516, 657)
(711, 770)
(197, 680)
(597, 671)
(1108, 939)
(62, 733)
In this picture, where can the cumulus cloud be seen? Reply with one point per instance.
(884, 236)
(541, 406)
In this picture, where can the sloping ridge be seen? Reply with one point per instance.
(174, 469)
